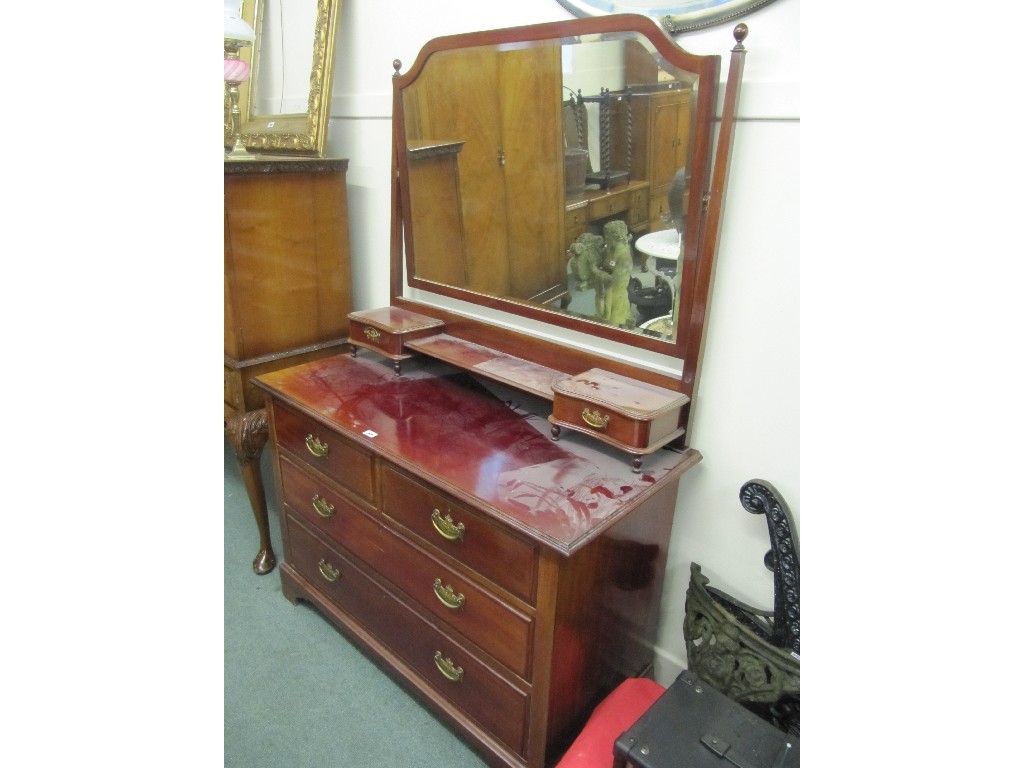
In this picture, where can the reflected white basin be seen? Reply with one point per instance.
(663, 244)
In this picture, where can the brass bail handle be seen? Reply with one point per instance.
(595, 418)
(316, 446)
(447, 527)
(328, 571)
(446, 594)
(448, 668)
(323, 507)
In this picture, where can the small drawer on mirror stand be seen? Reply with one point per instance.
(631, 415)
(387, 330)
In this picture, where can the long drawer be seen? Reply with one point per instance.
(443, 524)
(444, 663)
(446, 592)
(329, 452)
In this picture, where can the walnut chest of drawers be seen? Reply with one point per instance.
(287, 292)
(506, 579)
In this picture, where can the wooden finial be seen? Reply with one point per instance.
(739, 33)
(397, 64)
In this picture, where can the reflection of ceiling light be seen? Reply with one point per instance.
(237, 35)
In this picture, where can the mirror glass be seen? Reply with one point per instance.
(555, 178)
(281, 83)
(287, 101)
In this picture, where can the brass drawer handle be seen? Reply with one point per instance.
(595, 419)
(447, 527)
(447, 596)
(448, 668)
(328, 571)
(323, 507)
(371, 333)
(317, 448)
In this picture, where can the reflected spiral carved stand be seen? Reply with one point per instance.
(750, 655)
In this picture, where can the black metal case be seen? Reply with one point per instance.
(695, 726)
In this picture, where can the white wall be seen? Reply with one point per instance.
(748, 418)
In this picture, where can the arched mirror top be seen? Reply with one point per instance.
(560, 173)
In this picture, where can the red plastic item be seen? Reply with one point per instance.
(616, 714)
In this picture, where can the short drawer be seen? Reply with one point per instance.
(612, 203)
(658, 213)
(464, 680)
(496, 627)
(639, 209)
(576, 217)
(634, 414)
(328, 451)
(387, 329)
(372, 337)
(502, 557)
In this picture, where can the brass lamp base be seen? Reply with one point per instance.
(236, 72)
(238, 151)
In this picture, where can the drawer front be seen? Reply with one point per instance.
(659, 213)
(623, 429)
(639, 209)
(610, 204)
(370, 336)
(468, 537)
(462, 679)
(496, 627)
(329, 452)
(576, 218)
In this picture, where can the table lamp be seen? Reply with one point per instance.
(237, 35)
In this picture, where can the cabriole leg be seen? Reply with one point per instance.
(247, 434)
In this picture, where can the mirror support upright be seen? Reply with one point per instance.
(703, 279)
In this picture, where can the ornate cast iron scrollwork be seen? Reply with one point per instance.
(760, 498)
(752, 656)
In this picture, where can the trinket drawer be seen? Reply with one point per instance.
(505, 579)
(632, 415)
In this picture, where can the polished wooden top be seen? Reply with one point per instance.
(483, 443)
(395, 320)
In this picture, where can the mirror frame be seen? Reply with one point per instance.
(697, 259)
(304, 134)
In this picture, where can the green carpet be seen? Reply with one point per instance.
(296, 692)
